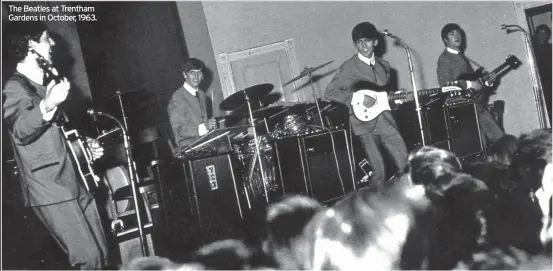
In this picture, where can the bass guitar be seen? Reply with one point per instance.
(488, 79)
(77, 144)
(381, 99)
(82, 157)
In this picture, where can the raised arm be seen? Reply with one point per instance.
(22, 114)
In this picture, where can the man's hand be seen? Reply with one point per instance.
(96, 150)
(476, 85)
(211, 124)
(56, 94)
(202, 129)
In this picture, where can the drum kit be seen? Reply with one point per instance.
(255, 155)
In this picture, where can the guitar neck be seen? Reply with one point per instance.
(408, 96)
(497, 71)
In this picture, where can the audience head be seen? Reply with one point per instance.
(150, 263)
(367, 230)
(503, 149)
(433, 168)
(543, 34)
(532, 155)
(285, 221)
(533, 160)
(226, 254)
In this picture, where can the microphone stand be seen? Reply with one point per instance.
(133, 180)
(413, 83)
(543, 117)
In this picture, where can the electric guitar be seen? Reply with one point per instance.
(382, 99)
(77, 144)
(488, 79)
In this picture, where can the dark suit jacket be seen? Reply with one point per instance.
(42, 156)
(186, 112)
(352, 71)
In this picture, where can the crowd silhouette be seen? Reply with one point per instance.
(439, 214)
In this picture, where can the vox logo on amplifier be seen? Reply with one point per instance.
(212, 177)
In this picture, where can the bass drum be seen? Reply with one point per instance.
(115, 178)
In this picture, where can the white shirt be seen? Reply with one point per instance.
(190, 89)
(368, 61)
(451, 50)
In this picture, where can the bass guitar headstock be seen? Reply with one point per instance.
(50, 72)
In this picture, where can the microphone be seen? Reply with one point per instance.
(93, 113)
(387, 33)
(507, 28)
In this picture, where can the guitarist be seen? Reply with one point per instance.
(381, 131)
(50, 184)
(453, 65)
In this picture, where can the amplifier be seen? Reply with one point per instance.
(214, 197)
(318, 165)
(463, 129)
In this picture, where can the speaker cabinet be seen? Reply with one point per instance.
(215, 201)
(317, 165)
(464, 129)
(329, 167)
(290, 162)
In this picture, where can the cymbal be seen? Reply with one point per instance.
(267, 111)
(306, 72)
(259, 113)
(238, 98)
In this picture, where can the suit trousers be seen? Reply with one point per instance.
(77, 227)
(490, 129)
(388, 137)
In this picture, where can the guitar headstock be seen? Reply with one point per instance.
(46, 66)
(513, 61)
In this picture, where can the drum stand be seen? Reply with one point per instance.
(316, 98)
(258, 153)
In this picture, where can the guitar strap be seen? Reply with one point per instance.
(472, 61)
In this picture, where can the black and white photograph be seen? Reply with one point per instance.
(276, 135)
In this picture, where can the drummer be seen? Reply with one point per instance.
(187, 108)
